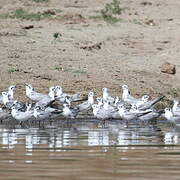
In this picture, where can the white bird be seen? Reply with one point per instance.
(41, 114)
(176, 108)
(11, 91)
(130, 115)
(61, 96)
(151, 116)
(170, 117)
(142, 103)
(7, 101)
(87, 104)
(106, 96)
(70, 112)
(149, 104)
(21, 106)
(33, 95)
(108, 106)
(116, 101)
(99, 101)
(1, 99)
(101, 113)
(21, 116)
(147, 114)
(4, 114)
(95, 108)
(126, 95)
(135, 109)
(48, 99)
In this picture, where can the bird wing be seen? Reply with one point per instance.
(150, 104)
(35, 96)
(83, 106)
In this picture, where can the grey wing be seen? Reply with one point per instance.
(84, 106)
(75, 97)
(131, 100)
(150, 116)
(150, 104)
(9, 105)
(100, 115)
(61, 99)
(4, 115)
(129, 116)
(176, 119)
(104, 114)
(1, 100)
(53, 110)
(114, 114)
(35, 96)
(143, 113)
(44, 102)
(43, 115)
(74, 112)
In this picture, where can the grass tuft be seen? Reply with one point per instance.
(108, 13)
(56, 35)
(136, 21)
(21, 14)
(58, 68)
(12, 70)
(4, 16)
(79, 71)
(112, 8)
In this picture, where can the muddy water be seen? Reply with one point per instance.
(89, 150)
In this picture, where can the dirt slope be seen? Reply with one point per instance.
(89, 53)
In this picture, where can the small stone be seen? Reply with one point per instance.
(28, 27)
(168, 68)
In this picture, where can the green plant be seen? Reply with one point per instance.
(97, 17)
(4, 16)
(112, 8)
(13, 69)
(21, 14)
(79, 71)
(136, 21)
(56, 35)
(109, 12)
(110, 19)
(58, 68)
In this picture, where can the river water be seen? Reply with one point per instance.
(89, 149)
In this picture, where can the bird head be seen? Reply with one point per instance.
(12, 88)
(29, 87)
(91, 94)
(145, 98)
(125, 87)
(105, 89)
(58, 91)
